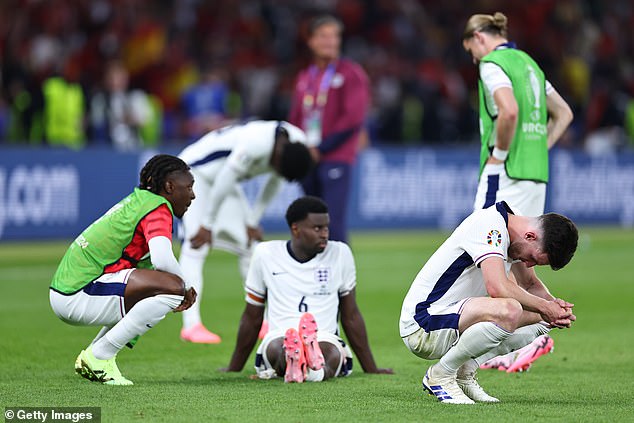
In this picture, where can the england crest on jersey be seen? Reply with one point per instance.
(322, 278)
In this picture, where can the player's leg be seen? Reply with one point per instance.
(335, 181)
(148, 296)
(192, 262)
(311, 184)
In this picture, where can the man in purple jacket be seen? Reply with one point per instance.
(330, 102)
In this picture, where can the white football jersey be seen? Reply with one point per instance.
(247, 148)
(290, 288)
(453, 272)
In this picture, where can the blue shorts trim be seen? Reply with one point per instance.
(105, 289)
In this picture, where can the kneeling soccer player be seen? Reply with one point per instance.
(447, 315)
(105, 277)
(305, 283)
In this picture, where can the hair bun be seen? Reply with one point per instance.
(500, 20)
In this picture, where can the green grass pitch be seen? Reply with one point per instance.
(588, 378)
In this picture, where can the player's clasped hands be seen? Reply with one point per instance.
(560, 314)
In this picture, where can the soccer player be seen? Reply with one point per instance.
(522, 116)
(330, 102)
(447, 314)
(106, 276)
(220, 161)
(305, 283)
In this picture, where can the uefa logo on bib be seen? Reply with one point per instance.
(494, 238)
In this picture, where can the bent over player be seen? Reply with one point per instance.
(306, 283)
(105, 277)
(447, 314)
(220, 161)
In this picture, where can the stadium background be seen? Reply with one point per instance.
(419, 173)
(420, 168)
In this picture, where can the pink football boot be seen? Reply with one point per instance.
(308, 335)
(295, 360)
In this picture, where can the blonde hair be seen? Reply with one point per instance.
(496, 24)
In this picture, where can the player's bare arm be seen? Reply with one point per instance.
(247, 337)
(354, 327)
(499, 286)
(506, 120)
(559, 117)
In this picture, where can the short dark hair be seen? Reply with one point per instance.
(560, 237)
(155, 172)
(295, 161)
(300, 208)
(322, 20)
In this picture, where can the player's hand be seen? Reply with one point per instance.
(557, 315)
(202, 237)
(188, 301)
(254, 234)
(315, 154)
(493, 160)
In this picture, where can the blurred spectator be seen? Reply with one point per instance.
(64, 109)
(117, 113)
(205, 104)
(422, 84)
(330, 103)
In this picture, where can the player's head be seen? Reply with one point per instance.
(169, 177)
(291, 158)
(308, 220)
(559, 239)
(548, 239)
(483, 33)
(324, 37)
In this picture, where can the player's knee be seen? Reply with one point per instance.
(510, 312)
(172, 284)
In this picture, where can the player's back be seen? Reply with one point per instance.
(254, 140)
(452, 272)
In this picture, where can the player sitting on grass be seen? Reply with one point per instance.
(447, 314)
(305, 283)
(105, 277)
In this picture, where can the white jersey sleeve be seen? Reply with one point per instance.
(349, 271)
(486, 237)
(255, 285)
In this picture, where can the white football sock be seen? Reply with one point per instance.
(474, 341)
(315, 375)
(519, 339)
(192, 268)
(142, 317)
(101, 333)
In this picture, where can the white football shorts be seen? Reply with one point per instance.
(434, 344)
(100, 303)
(529, 197)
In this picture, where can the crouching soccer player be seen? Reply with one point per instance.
(447, 314)
(305, 283)
(105, 277)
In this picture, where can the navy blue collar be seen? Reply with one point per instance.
(290, 252)
(509, 44)
(504, 210)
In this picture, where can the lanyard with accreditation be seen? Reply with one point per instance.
(315, 102)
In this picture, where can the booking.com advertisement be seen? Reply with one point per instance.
(51, 194)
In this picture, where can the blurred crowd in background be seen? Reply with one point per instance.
(144, 72)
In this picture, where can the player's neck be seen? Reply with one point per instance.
(299, 253)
